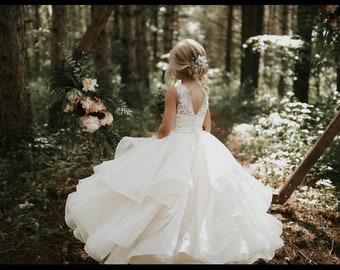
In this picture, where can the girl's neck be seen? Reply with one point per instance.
(189, 81)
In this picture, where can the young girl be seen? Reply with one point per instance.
(178, 197)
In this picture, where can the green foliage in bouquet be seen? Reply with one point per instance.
(158, 104)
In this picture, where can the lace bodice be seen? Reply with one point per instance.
(186, 120)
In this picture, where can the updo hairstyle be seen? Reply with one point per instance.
(187, 60)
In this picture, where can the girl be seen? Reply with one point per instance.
(179, 196)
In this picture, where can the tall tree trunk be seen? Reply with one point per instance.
(285, 21)
(338, 79)
(15, 109)
(33, 24)
(170, 19)
(306, 15)
(129, 43)
(252, 25)
(116, 31)
(59, 39)
(128, 57)
(103, 52)
(36, 51)
(169, 27)
(154, 29)
(98, 23)
(142, 51)
(135, 60)
(228, 64)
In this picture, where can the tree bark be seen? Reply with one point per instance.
(252, 25)
(169, 24)
(143, 65)
(135, 60)
(128, 65)
(103, 52)
(154, 29)
(59, 39)
(303, 65)
(15, 109)
(228, 65)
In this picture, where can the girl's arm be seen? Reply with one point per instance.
(207, 122)
(169, 113)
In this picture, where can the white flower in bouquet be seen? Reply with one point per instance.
(69, 107)
(107, 120)
(74, 95)
(88, 104)
(89, 84)
(98, 106)
(91, 123)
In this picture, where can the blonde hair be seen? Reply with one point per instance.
(187, 60)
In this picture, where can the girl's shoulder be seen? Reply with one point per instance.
(172, 91)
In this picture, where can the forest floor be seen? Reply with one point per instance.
(311, 237)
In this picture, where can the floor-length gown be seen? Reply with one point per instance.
(180, 199)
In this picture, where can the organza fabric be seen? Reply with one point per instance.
(180, 199)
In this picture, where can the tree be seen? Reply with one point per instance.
(332, 36)
(103, 51)
(134, 59)
(15, 109)
(154, 10)
(169, 23)
(228, 66)
(252, 25)
(142, 51)
(129, 43)
(306, 14)
(98, 23)
(59, 38)
(285, 17)
(33, 26)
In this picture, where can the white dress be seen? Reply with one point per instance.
(180, 199)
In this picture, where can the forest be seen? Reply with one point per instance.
(273, 84)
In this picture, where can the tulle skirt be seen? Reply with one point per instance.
(180, 199)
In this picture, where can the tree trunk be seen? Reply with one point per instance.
(169, 24)
(338, 79)
(252, 25)
(154, 29)
(135, 60)
(129, 43)
(59, 39)
(303, 65)
(142, 52)
(99, 20)
(15, 109)
(285, 22)
(228, 65)
(103, 52)
(36, 52)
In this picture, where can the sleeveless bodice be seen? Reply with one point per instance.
(186, 120)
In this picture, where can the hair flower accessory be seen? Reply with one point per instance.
(200, 61)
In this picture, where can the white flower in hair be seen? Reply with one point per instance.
(200, 61)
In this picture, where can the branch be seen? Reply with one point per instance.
(93, 30)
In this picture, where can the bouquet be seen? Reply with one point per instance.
(88, 106)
